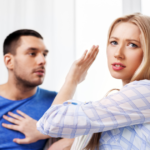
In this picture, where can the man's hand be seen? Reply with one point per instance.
(63, 144)
(25, 125)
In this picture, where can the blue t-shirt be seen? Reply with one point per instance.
(34, 106)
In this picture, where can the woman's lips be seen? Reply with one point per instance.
(118, 66)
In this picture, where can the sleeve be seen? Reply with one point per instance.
(129, 106)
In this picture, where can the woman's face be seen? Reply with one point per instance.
(124, 52)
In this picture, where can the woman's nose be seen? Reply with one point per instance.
(119, 53)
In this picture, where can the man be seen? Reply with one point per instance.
(22, 103)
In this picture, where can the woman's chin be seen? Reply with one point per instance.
(124, 79)
(119, 76)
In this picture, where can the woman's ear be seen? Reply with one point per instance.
(9, 61)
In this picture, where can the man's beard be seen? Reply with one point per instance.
(26, 83)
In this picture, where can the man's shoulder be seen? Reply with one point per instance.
(46, 93)
(2, 87)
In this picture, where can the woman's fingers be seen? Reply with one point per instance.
(94, 55)
(91, 53)
(12, 120)
(88, 56)
(91, 59)
(82, 58)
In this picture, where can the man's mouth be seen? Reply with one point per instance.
(40, 72)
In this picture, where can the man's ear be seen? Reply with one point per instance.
(9, 61)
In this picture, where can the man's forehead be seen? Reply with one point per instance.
(28, 38)
(31, 41)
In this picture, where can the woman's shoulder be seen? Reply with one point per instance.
(138, 83)
(141, 86)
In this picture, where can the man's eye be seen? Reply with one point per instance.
(133, 45)
(44, 55)
(113, 42)
(32, 54)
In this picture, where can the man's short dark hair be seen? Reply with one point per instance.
(11, 41)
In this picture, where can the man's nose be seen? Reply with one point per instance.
(119, 53)
(41, 59)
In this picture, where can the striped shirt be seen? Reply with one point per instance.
(123, 117)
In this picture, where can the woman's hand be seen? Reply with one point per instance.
(76, 75)
(25, 125)
(80, 67)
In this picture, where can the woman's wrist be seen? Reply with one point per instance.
(43, 136)
(71, 82)
(66, 93)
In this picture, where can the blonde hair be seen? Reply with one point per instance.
(143, 71)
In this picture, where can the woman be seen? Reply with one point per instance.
(123, 117)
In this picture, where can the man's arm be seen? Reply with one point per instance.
(25, 125)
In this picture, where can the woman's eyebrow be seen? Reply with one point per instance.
(114, 37)
(133, 40)
(126, 39)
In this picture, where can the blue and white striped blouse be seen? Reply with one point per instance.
(123, 117)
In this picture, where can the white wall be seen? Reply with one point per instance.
(68, 27)
(131, 6)
(145, 4)
(93, 18)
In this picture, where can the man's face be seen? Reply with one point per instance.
(29, 61)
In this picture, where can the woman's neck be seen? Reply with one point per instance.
(124, 82)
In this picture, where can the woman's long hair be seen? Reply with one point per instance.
(143, 71)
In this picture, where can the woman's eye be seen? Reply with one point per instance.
(133, 45)
(113, 42)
